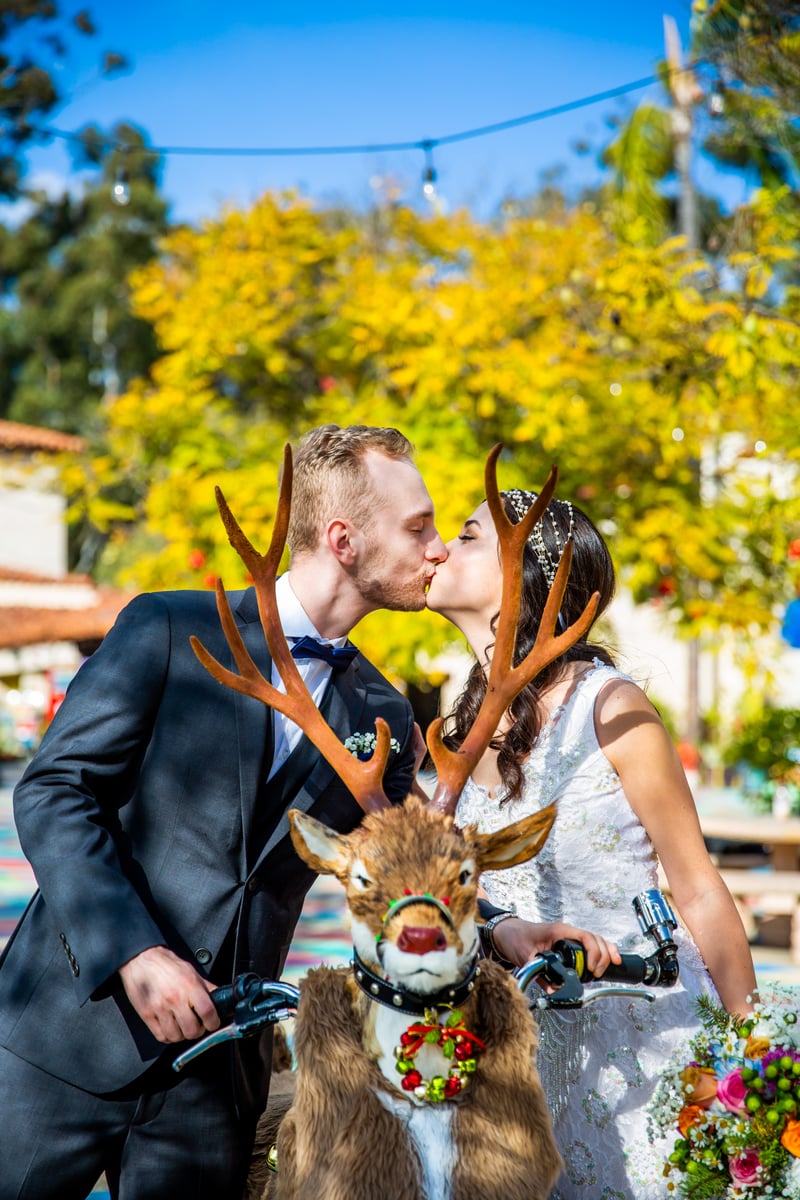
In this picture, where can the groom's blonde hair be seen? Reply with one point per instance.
(331, 480)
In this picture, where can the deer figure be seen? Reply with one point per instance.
(416, 1074)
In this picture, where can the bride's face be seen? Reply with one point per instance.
(469, 583)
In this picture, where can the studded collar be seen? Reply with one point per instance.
(405, 1001)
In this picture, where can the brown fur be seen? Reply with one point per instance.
(340, 1143)
(261, 1179)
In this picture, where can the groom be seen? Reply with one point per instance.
(154, 815)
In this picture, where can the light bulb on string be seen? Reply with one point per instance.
(429, 174)
(120, 191)
(716, 102)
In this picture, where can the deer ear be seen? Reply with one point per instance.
(516, 843)
(320, 848)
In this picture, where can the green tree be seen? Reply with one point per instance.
(33, 35)
(68, 337)
(754, 46)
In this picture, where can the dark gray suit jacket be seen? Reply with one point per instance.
(137, 816)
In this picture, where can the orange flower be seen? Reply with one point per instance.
(691, 1114)
(790, 1139)
(756, 1047)
(699, 1085)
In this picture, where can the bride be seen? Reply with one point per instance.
(585, 735)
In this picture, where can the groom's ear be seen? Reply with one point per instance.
(341, 537)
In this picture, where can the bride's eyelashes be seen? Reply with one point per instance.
(466, 537)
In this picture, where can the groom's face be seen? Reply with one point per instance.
(401, 545)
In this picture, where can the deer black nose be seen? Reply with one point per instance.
(421, 940)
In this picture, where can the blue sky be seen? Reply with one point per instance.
(263, 74)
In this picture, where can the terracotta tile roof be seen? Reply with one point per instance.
(17, 575)
(35, 626)
(14, 436)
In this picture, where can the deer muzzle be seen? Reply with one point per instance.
(421, 939)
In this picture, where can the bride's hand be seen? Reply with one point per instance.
(519, 941)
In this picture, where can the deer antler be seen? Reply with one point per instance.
(506, 681)
(363, 779)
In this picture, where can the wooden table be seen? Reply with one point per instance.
(775, 886)
(780, 834)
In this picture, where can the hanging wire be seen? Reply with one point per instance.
(426, 145)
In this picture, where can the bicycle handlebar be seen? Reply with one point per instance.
(564, 967)
(250, 1003)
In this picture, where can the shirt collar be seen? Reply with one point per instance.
(294, 618)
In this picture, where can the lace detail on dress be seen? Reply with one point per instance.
(599, 1066)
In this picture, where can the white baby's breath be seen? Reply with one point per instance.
(361, 744)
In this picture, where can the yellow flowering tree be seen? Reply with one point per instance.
(662, 384)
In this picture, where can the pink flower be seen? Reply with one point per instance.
(744, 1166)
(731, 1092)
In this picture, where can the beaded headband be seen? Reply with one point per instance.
(521, 501)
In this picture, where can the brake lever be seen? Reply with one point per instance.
(633, 993)
(258, 1003)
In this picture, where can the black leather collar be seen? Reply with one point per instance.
(414, 1003)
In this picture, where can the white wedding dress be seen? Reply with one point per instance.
(599, 1065)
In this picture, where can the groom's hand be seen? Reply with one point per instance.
(169, 995)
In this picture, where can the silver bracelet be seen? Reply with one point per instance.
(488, 937)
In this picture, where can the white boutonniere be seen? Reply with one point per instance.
(362, 745)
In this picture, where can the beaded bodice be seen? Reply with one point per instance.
(598, 855)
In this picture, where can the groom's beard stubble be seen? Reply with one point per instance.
(382, 589)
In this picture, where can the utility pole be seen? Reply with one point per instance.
(686, 93)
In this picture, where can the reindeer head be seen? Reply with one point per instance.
(411, 881)
(410, 875)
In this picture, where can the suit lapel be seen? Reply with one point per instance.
(254, 720)
(342, 706)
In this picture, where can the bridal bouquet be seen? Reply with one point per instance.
(733, 1102)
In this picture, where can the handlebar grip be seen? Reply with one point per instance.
(632, 969)
(226, 998)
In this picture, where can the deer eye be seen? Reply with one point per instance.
(465, 876)
(359, 878)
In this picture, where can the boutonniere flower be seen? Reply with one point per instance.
(362, 745)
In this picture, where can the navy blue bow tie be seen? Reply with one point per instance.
(337, 657)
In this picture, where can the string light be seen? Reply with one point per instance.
(120, 190)
(716, 101)
(429, 175)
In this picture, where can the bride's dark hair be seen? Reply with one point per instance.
(592, 571)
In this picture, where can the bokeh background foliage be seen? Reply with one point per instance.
(662, 385)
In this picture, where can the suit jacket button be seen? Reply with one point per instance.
(203, 956)
(252, 886)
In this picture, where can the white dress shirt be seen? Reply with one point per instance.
(315, 672)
